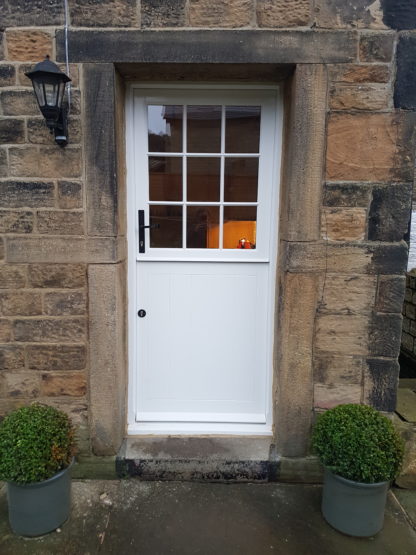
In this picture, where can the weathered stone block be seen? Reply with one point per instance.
(333, 369)
(11, 357)
(7, 75)
(57, 275)
(389, 214)
(3, 162)
(384, 335)
(1, 45)
(283, 13)
(45, 162)
(360, 14)
(163, 13)
(348, 294)
(376, 47)
(28, 45)
(410, 310)
(360, 97)
(20, 303)
(399, 14)
(66, 303)
(50, 330)
(405, 85)
(2, 249)
(21, 384)
(16, 13)
(406, 325)
(60, 222)
(18, 103)
(104, 13)
(412, 328)
(56, 357)
(329, 396)
(12, 221)
(12, 277)
(73, 384)
(220, 13)
(38, 132)
(12, 130)
(390, 293)
(344, 224)
(5, 330)
(69, 194)
(380, 383)
(346, 194)
(344, 335)
(32, 194)
(354, 73)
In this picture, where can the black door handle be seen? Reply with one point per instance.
(142, 227)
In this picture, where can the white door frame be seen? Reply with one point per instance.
(195, 428)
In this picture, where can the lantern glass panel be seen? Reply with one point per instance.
(40, 93)
(51, 93)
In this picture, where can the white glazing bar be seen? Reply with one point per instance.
(184, 175)
(221, 233)
(201, 203)
(207, 154)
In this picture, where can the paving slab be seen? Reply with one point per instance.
(124, 517)
(406, 404)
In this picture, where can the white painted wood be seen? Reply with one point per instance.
(201, 359)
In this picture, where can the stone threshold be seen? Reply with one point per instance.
(202, 459)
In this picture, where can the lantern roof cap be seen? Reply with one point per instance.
(46, 67)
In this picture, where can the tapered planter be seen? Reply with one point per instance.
(353, 508)
(40, 507)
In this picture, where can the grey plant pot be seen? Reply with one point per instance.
(353, 508)
(40, 507)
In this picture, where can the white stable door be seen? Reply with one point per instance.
(202, 174)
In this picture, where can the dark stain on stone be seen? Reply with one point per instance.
(389, 213)
(388, 259)
(399, 14)
(405, 84)
(383, 376)
(385, 334)
(348, 194)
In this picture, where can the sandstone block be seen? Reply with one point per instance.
(344, 224)
(355, 14)
(20, 303)
(380, 383)
(11, 357)
(355, 73)
(21, 384)
(76, 409)
(32, 194)
(384, 335)
(60, 222)
(56, 357)
(1, 45)
(66, 303)
(57, 275)
(12, 277)
(406, 325)
(7, 75)
(162, 13)
(104, 13)
(333, 369)
(220, 13)
(347, 194)
(283, 13)
(390, 293)
(412, 328)
(73, 384)
(329, 396)
(3, 162)
(69, 194)
(16, 13)
(410, 311)
(360, 97)
(18, 103)
(389, 213)
(376, 47)
(348, 294)
(5, 330)
(343, 335)
(12, 130)
(28, 45)
(12, 221)
(50, 330)
(45, 162)
(2, 249)
(38, 132)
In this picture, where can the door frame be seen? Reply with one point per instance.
(196, 429)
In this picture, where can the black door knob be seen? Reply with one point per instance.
(141, 313)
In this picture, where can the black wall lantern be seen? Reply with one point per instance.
(49, 85)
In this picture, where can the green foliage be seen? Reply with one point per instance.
(36, 442)
(358, 443)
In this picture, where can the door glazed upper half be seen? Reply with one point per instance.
(202, 205)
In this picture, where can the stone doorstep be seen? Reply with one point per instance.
(211, 459)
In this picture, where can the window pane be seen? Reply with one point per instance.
(169, 233)
(240, 179)
(165, 178)
(242, 128)
(203, 179)
(165, 128)
(204, 128)
(202, 228)
(240, 227)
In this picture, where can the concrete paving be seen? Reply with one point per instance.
(159, 518)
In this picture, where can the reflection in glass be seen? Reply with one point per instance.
(204, 128)
(242, 128)
(202, 229)
(203, 179)
(165, 178)
(165, 128)
(169, 233)
(240, 227)
(240, 179)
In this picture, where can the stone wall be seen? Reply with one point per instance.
(408, 344)
(61, 222)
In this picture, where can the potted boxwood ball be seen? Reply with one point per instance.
(36, 450)
(362, 453)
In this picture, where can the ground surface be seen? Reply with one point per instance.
(161, 518)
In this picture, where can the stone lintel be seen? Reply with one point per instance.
(210, 46)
